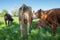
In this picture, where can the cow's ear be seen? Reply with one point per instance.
(40, 10)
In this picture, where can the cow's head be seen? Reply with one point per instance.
(41, 14)
(38, 13)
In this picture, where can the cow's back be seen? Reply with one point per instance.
(53, 17)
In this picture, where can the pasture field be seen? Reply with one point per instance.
(12, 32)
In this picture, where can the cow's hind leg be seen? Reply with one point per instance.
(28, 25)
(22, 29)
(28, 28)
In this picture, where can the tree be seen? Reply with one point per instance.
(15, 11)
(3, 12)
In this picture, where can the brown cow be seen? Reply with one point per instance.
(50, 17)
(25, 17)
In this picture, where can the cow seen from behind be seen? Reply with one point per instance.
(25, 18)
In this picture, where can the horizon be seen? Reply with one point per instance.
(35, 4)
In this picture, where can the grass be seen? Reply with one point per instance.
(13, 32)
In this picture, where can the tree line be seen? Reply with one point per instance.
(14, 12)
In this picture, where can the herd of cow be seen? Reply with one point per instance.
(48, 18)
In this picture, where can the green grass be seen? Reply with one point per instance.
(13, 32)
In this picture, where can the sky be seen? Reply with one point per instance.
(35, 4)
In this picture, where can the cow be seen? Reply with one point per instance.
(50, 17)
(8, 19)
(25, 18)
